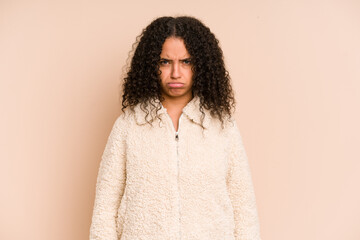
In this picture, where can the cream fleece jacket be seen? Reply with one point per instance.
(154, 183)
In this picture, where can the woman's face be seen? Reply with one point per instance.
(176, 73)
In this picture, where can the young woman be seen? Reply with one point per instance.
(174, 166)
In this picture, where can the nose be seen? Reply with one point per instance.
(175, 71)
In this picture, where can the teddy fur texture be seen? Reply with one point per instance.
(151, 185)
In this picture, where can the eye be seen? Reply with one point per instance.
(186, 61)
(163, 61)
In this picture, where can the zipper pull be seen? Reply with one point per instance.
(176, 136)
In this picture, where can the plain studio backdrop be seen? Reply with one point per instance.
(295, 67)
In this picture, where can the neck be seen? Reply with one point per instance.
(176, 103)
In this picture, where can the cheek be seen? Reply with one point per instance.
(163, 80)
(189, 74)
(164, 73)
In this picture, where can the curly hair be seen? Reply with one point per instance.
(211, 80)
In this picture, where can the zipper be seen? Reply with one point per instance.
(178, 173)
(178, 167)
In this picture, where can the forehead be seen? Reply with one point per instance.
(174, 47)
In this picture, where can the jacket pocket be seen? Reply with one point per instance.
(120, 218)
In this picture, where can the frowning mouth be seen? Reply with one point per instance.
(175, 85)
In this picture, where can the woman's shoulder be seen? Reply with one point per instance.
(123, 121)
(228, 123)
(125, 115)
(230, 128)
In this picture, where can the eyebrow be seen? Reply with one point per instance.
(188, 58)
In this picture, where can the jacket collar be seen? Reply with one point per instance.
(191, 110)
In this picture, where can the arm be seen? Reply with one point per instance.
(241, 191)
(110, 186)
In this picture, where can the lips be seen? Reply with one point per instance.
(175, 85)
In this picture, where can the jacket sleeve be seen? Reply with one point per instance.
(110, 186)
(241, 191)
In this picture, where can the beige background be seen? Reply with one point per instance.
(295, 66)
